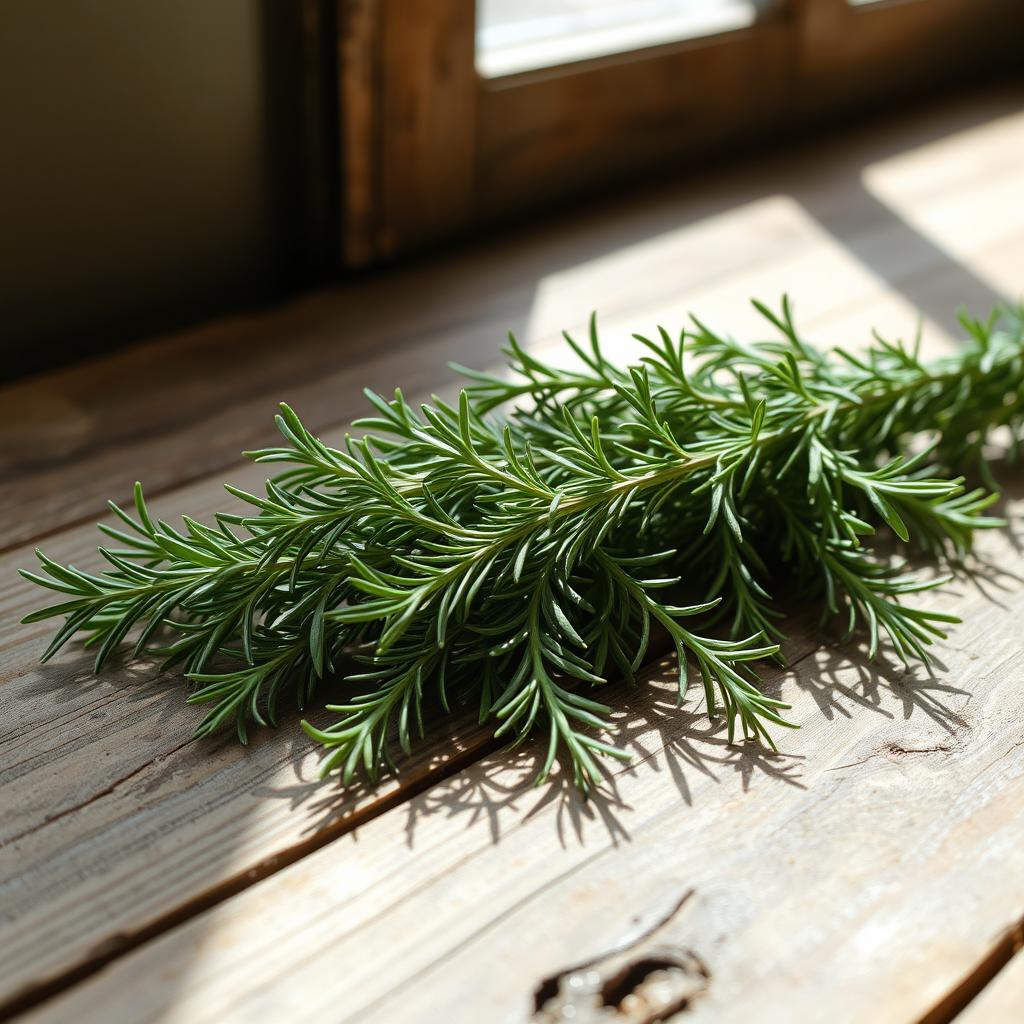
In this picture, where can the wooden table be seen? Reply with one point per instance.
(874, 871)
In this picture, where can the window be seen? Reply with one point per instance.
(513, 36)
(459, 113)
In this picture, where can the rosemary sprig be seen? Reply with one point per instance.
(515, 549)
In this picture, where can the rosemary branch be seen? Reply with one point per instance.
(513, 550)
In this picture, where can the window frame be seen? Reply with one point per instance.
(430, 149)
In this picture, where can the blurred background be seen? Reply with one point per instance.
(170, 161)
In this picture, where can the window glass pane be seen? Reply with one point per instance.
(523, 35)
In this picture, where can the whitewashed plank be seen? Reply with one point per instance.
(856, 878)
(1002, 1000)
(180, 407)
(114, 808)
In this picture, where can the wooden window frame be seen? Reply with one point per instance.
(430, 149)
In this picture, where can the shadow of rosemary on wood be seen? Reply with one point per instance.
(461, 771)
(495, 784)
(679, 742)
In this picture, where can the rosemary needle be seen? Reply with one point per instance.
(513, 550)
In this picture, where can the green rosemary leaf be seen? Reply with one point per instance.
(513, 549)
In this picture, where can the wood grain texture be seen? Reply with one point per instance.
(116, 828)
(116, 821)
(426, 135)
(181, 407)
(358, 28)
(408, 92)
(852, 877)
(847, 54)
(447, 149)
(1002, 999)
(544, 136)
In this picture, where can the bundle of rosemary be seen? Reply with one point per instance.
(514, 551)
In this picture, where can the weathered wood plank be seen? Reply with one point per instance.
(882, 848)
(78, 755)
(115, 821)
(115, 825)
(1002, 1000)
(110, 804)
(178, 408)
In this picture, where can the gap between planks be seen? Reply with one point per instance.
(388, 796)
(991, 993)
(48, 776)
(142, 769)
(890, 875)
(68, 435)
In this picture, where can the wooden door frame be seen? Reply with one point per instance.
(429, 149)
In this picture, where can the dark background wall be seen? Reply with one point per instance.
(151, 167)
